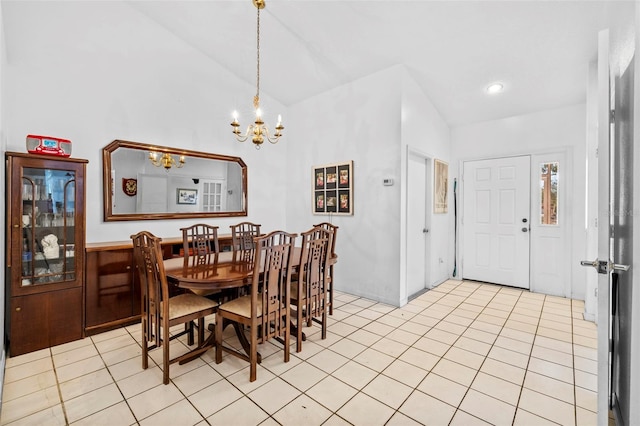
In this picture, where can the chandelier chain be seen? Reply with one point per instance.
(256, 99)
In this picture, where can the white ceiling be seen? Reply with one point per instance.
(539, 49)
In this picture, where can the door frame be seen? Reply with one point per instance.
(567, 153)
(404, 198)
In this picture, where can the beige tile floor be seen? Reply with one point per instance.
(463, 353)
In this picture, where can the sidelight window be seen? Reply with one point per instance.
(549, 193)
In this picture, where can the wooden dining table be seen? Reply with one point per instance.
(223, 273)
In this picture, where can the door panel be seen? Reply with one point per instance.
(622, 245)
(496, 195)
(550, 227)
(604, 309)
(417, 224)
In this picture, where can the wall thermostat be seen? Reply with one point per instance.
(387, 182)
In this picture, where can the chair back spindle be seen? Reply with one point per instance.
(200, 244)
(242, 239)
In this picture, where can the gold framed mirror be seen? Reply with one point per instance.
(145, 182)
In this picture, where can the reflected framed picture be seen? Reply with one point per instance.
(440, 187)
(333, 189)
(187, 196)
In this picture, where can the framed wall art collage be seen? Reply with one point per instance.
(333, 189)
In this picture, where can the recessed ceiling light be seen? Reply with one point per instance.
(494, 88)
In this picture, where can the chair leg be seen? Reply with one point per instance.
(299, 329)
(145, 346)
(200, 331)
(189, 327)
(165, 355)
(324, 323)
(330, 290)
(287, 339)
(253, 355)
(218, 336)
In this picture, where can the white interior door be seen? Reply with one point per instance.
(152, 194)
(417, 224)
(496, 220)
(616, 369)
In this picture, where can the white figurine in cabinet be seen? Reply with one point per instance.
(50, 246)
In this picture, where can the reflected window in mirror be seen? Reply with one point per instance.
(549, 193)
(140, 185)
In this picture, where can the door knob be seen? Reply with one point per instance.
(525, 229)
(603, 267)
(425, 230)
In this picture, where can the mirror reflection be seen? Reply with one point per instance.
(143, 181)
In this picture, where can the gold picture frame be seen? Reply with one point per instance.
(440, 187)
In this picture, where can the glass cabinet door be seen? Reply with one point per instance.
(48, 226)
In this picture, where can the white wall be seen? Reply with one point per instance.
(3, 144)
(370, 121)
(424, 131)
(359, 121)
(93, 72)
(545, 131)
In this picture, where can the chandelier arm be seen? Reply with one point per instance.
(243, 138)
(273, 139)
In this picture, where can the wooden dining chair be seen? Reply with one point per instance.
(330, 227)
(242, 239)
(160, 312)
(266, 310)
(200, 244)
(309, 290)
(200, 247)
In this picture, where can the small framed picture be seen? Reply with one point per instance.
(332, 201)
(319, 178)
(441, 187)
(344, 201)
(319, 202)
(333, 189)
(332, 177)
(187, 196)
(344, 177)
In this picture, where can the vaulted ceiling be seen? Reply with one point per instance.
(539, 50)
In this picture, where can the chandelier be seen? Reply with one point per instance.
(166, 160)
(258, 130)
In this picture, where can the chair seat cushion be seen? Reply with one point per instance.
(185, 304)
(241, 306)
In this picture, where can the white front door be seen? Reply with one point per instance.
(495, 220)
(417, 224)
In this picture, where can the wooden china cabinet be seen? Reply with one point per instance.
(45, 239)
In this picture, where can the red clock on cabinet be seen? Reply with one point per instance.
(48, 145)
